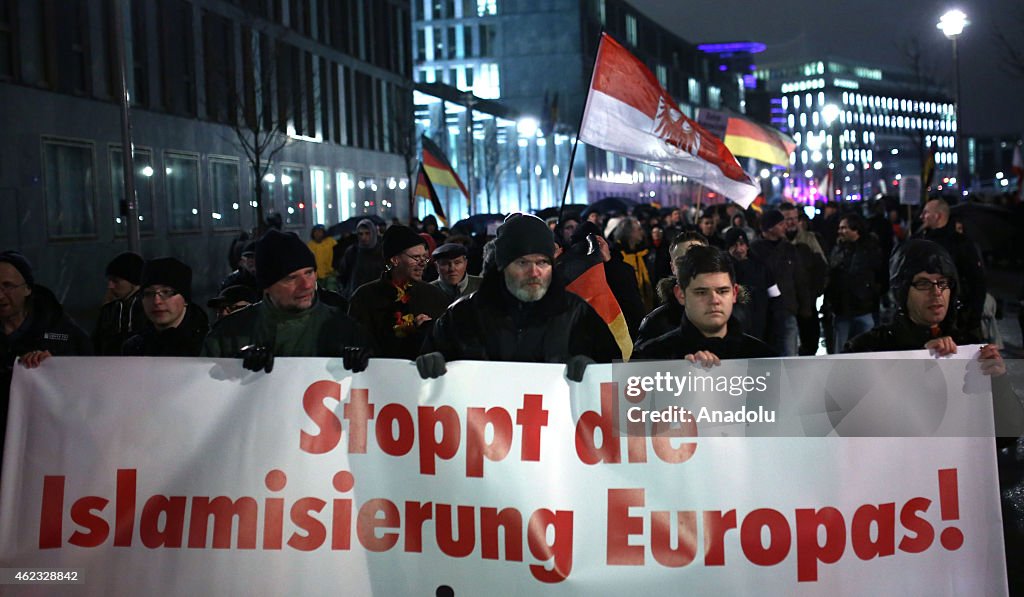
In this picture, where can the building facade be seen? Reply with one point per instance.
(869, 126)
(322, 87)
(536, 58)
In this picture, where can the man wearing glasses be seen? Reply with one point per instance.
(925, 283)
(176, 326)
(34, 325)
(451, 261)
(522, 312)
(399, 308)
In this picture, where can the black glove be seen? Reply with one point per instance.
(355, 358)
(576, 365)
(256, 357)
(431, 365)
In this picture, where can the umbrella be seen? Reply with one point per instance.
(621, 205)
(349, 225)
(478, 224)
(570, 209)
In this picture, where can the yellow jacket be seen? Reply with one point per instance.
(324, 253)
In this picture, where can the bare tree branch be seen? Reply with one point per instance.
(1011, 48)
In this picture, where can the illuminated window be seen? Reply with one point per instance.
(181, 181)
(293, 182)
(486, 83)
(631, 36)
(143, 189)
(694, 89)
(224, 197)
(486, 8)
(344, 185)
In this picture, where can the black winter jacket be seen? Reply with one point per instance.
(687, 339)
(492, 325)
(857, 275)
(186, 340)
(118, 321)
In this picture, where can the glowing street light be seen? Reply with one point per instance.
(952, 25)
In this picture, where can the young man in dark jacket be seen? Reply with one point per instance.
(856, 280)
(176, 325)
(123, 316)
(521, 313)
(706, 288)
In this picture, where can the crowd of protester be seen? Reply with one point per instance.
(718, 283)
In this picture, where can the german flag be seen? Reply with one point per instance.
(584, 275)
(439, 169)
(425, 189)
(928, 170)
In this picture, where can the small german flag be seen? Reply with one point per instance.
(439, 169)
(425, 189)
(584, 276)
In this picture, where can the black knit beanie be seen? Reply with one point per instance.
(522, 234)
(397, 239)
(127, 266)
(20, 263)
(279, 254)
(168, 271)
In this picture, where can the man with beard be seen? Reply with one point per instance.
(291, 320)
(707, 290)
(521, 313)
(925, 283)
(399, 308)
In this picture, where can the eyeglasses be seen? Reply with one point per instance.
(8, 288)
(417, 258)
(926, 285)
(164, 294)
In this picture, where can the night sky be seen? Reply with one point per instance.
(871, 31)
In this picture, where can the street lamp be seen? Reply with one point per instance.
(952, 25)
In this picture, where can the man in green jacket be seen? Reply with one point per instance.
(290, 321)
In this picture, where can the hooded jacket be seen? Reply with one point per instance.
(360, 263)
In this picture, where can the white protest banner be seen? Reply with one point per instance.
(194, 477)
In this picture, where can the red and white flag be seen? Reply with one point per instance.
(629, 113)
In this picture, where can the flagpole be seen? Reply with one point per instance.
(568, 177)
(576, 141)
